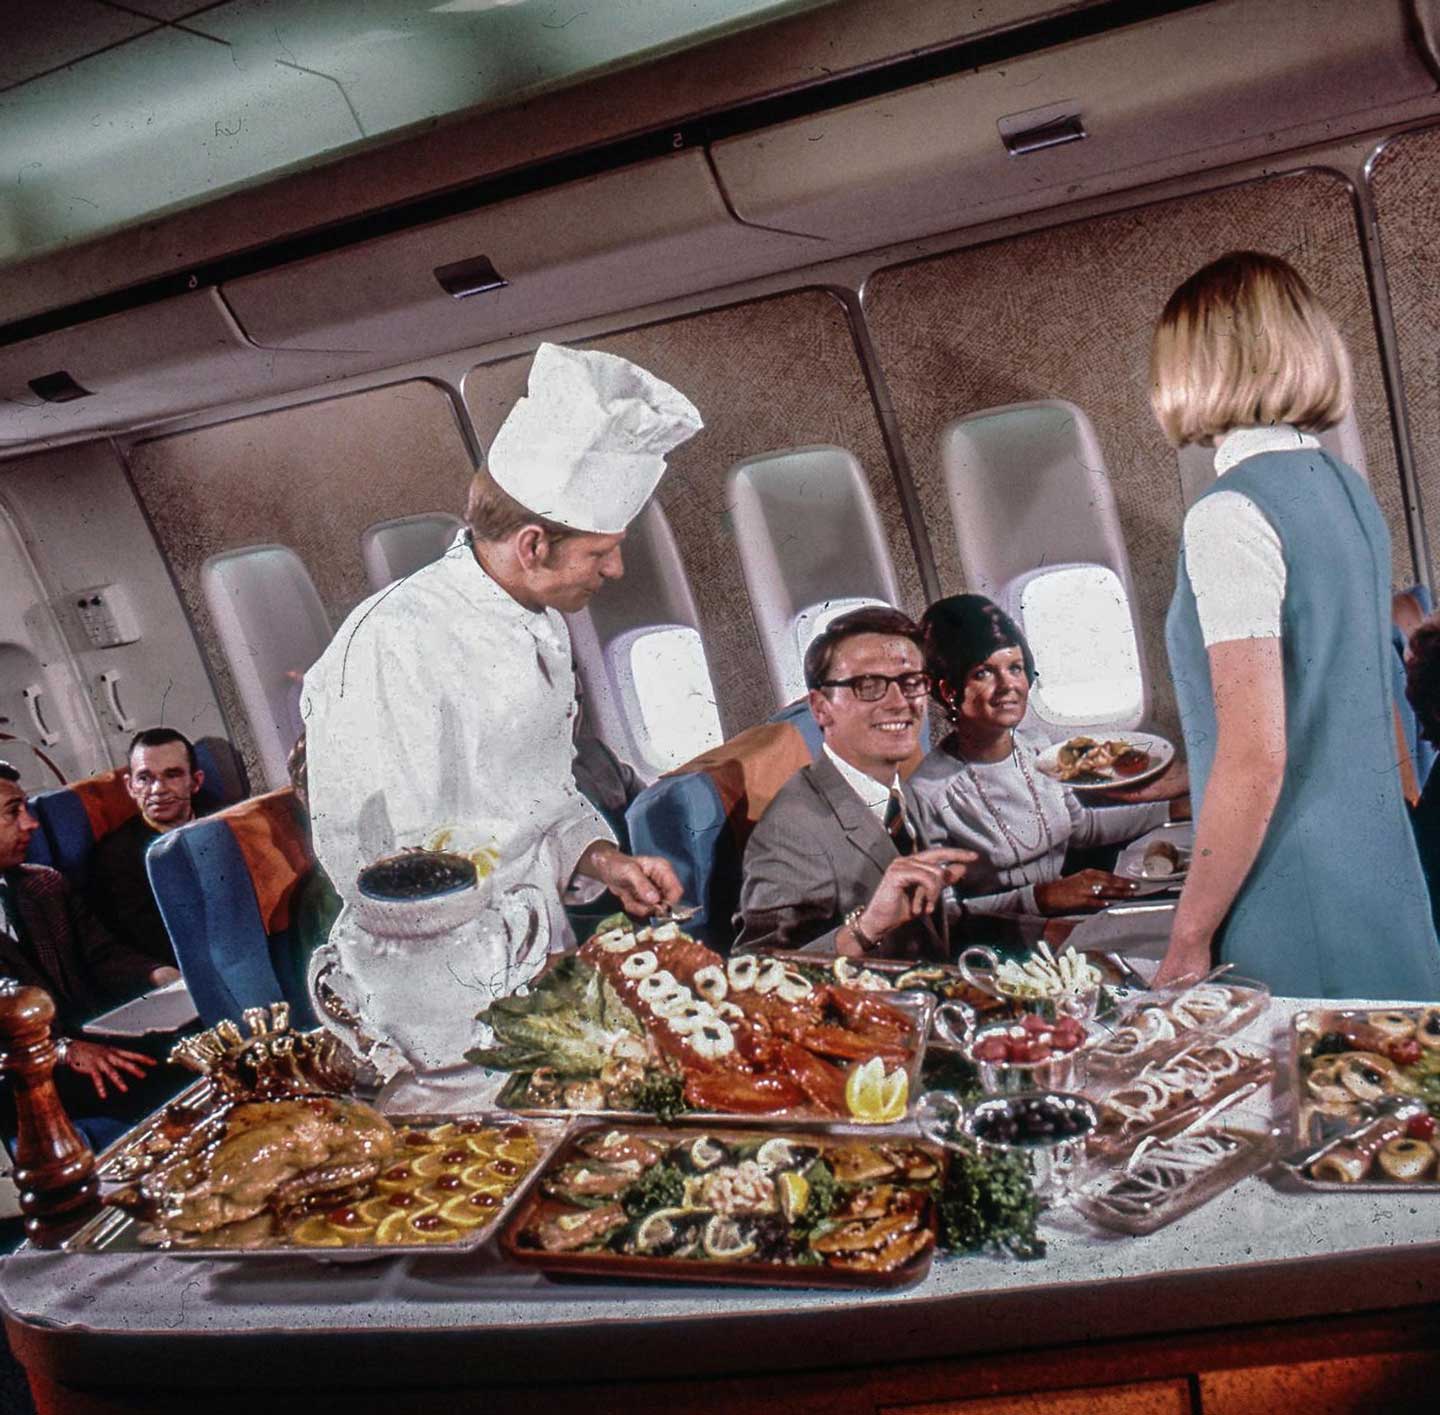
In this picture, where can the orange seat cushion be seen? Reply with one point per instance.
(108, 805)
(749, 770)
(270, 831)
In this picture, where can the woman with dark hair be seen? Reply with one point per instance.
(980, 787)
(1304, 873)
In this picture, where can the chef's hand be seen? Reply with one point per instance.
(1083, 892)
(105, 1063)
(911, 887)
(644, 884)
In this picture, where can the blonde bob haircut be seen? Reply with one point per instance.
(1243, 343)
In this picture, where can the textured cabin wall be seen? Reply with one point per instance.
(310, 477)
(1068, 313)
(766, 375)
(1405, 179)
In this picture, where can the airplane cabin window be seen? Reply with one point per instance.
(396, 548)
(272, 627)
(1077, 619)
(665, 689)
(810, 541)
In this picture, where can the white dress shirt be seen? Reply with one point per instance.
(1232, 554)
(875, 796)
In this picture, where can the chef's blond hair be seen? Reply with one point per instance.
(493, 514)
(1244, 343)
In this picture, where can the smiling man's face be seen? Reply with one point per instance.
(873, 737)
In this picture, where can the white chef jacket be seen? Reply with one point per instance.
(443, 702)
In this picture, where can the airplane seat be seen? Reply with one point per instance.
(227, 887)
(700, 816)
(390, 550)
(76, 817)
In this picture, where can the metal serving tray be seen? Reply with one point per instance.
(747, 1272)
(1250, 1000)
(920, 1006)
(114, 1230)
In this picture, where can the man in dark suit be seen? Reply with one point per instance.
(49, 939)
(835, 865)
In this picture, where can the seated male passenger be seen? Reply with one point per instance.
(835, 864)
(49, 939)
(162, 780)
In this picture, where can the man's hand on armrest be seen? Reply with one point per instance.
(642, 883)
(161, 976)
(101, 1063)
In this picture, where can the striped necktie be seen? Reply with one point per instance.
(898, 823)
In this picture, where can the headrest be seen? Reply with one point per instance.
(749, 770)
(270, 831)
(107, 804)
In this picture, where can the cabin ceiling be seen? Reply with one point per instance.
(111, 113)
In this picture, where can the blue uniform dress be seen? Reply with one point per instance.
(1335, 904)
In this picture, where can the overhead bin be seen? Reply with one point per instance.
(131, 368)
(614, 241)
(1191, 89)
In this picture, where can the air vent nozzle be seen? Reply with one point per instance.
(463, 278)
(58, 387)
(1039, 128)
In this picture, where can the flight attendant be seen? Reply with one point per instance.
(1304, 872)
(442, 710)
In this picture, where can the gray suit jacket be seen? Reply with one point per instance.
(817, 853)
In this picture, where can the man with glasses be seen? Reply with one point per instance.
(835, 864)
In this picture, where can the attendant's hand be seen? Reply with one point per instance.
(102, 1063)
(1084, 892)
(911, 888)
(159, 977)
(1187, 957)
(1174, 781)
(644, 884)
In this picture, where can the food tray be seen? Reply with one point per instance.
(1368, 1136)
(114, 1230)
(539, 1207)
(1248, 1001)
(1317, 1116)
(920, 1006)
(1246, 1152)
(1116, 1137)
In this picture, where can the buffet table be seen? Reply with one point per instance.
(1255, 1278)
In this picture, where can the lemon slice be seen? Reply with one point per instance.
(315, 1232)
(434, 1163)
(875, 1097)
(465, 1212)
(727, 1240)
(794, 1194)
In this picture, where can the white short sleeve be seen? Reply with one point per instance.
(1236, 568)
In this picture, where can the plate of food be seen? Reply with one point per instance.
(1087, 763)
(324, 1176)
(1160, 857)
(649, 1023)
(732, 1205)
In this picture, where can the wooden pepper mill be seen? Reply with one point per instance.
(54, 1167)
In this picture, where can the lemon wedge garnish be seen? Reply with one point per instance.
(875, 1097)
(794, 1195)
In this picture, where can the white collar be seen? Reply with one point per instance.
(1242, 442)
(477, 584)
(870, 791)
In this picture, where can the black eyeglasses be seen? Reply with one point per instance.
(871, 687)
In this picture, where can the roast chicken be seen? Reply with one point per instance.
(259, 1156)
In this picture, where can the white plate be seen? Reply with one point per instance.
(1131, 864)
(1161, 755)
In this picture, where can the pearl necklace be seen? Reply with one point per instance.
(1023, 849)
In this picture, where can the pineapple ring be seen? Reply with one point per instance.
(639, 965)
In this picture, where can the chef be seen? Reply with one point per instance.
(441, 713)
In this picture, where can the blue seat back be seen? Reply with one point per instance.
(1422, 753)
(225, 886)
